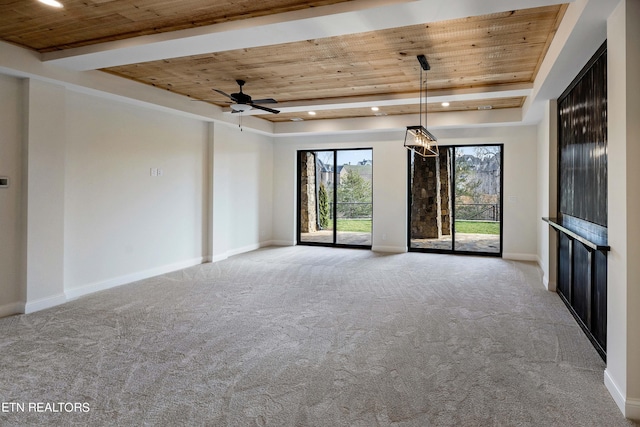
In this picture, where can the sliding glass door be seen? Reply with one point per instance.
(455, 200)
(335, 197)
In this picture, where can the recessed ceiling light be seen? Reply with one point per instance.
(312, 113)
(485, 107)
(52, 3)
(445, 104)
(374, 108)
(297, 119)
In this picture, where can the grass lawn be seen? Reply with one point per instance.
(360, 225)
(477, 227)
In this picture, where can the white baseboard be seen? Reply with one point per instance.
(390, 249)
(44, 303)
(630, 408)
(217, 258)
(549, 284)
(243, 249)
(614, 391)
(12, 308)
(520, 257)
(633, 409)
(283, 243)
(129, 278)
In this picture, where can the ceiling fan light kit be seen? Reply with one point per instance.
(417, 138)
(240, 107)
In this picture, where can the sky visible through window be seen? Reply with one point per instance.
(354, 156)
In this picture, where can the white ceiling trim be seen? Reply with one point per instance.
(460, 119)
(328, 21)
(386, 100)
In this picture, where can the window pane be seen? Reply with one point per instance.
(477, 199)
(316, 196)
(430, 224)
(354, 202)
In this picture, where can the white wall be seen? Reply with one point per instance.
(43, 119)
(85, 214)
(121, 223)
(547, 192)
(390, 183)
(622, 376)
(243, 190)
(10, 198)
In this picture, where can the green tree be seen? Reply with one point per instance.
(323, 207)
(354, 188)
(467, 182)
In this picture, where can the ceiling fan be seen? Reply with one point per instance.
(243, 102)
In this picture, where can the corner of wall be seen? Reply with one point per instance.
(630, 408)
(520, 257)
(44, 303)
(11, 309)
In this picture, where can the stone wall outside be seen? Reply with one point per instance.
(308, 218)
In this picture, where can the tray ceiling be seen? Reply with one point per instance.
(340, 76)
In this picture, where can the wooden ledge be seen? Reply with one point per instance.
(583, 236)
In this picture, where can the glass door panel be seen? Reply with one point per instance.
(335, 198)
(316, 196)
(354, 201)
(455, 200)
(430, 201)
(478, 199)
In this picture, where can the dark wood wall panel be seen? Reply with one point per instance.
(564, 264)
(583, 146)
(599, 309)
(582, 198)
(581, 298)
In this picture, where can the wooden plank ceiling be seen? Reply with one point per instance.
(474, 52)
(86, 22)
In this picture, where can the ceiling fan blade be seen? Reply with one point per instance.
(265, 101)
(224, 94)
(269, 110)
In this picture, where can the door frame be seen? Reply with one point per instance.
(453, 249)
(334, 201)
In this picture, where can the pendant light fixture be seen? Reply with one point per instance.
(418, 138)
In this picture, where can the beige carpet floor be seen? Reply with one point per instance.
(310, 336)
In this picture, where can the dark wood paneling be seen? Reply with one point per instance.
(583, 145)
(599, 309)
(564, 266)
(581, 295)
(582, 198)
